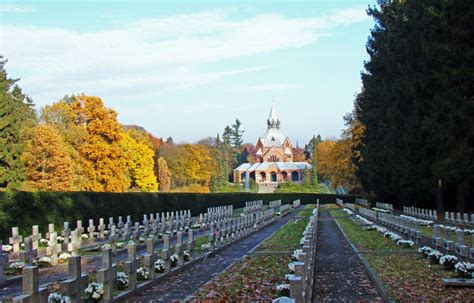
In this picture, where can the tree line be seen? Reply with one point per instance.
(412, 128)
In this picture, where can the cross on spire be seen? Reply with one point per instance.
(273, 121)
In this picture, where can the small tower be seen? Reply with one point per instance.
(273, 121)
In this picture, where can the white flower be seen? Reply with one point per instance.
(143, 273)
(446, 259)
(44, 242)
(159, 265)
(419, 221)
(60, 239)
(106, 246)
(64, 256)
(43, 261)
(120, 245)
(348, 211)
(7, 248)
(17, 265)
(465, 269)
(408, 243)
(122, 280)
(296, 254)
(291, 267)
(55, 297)
(281, 287)
(425, 250)
(85, 237)
(435, 254)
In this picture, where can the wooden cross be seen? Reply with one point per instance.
(31, 292)
(77, 282)
(131, 265)
(15, 240)
(53, 248)
(106, 275)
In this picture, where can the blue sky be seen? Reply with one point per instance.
(188, 68)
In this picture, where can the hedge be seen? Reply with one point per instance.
(24, 209)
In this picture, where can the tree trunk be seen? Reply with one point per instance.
(461, 197)
(439, 197)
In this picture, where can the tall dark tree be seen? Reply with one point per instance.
(308, 148)
(16, 117)
(417, 104)
(236, 134)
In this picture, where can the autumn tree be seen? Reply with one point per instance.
(62, 118)
(104, 161)
(49, 166)
(16, 118)
(139, 154)
(164, 175)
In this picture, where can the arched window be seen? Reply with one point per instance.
(295, 176)
(273, 176)
(263, 177)
(284, 176)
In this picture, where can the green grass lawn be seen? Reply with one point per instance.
(199, 241)
(285, 239)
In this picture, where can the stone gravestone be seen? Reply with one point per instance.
(28, 255)
(15, 241)
(448, 243)
(35, 237)
(101, 228)
(179, 248)
(77, 282)
(91, 230)
(461, 248)
(106, 275)
(131, 265)
(113, 239)
(75, 245)
(54, 248)
(66, 232)
(50, 230)
(166, 252)
(150, 257)
(190, 244)
(31, 293)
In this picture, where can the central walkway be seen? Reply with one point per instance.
(183, 284)
(339, 274)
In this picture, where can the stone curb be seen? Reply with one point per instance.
(370, 272)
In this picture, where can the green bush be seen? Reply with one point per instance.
(24, 209)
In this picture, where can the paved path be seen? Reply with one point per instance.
(339, 274)
(186, 283)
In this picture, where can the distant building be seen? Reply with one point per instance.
(274, 157)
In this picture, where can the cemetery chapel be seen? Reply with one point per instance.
(274, 157)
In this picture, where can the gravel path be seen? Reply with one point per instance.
(186, 283)
(339, 274)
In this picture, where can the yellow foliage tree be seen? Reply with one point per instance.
(49, 166)
(325, 159)
(62, 117)
(139, 154)
(103, 159)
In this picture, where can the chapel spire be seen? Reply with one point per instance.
(273, 121)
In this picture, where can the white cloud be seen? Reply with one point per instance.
(271, 87)
(9, 8)
(154, 55)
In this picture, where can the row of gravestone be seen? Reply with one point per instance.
(253, 206)
(426, 214)
(459, 219)
(442, 239)
(284, 210)
(275, 204)
(113, 232)
(220, 234)
(302, 280)
(152, 226)
(216, 213)
(406, 226)
(382, 205)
